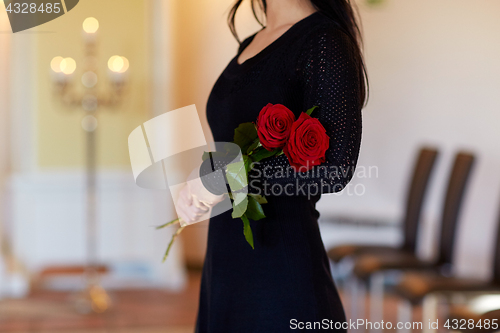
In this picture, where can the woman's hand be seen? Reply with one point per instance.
(195, 200)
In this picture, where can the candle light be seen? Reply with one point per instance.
(90, 27)
(62, 69)
(93, 298)
(118, 67)
(68, 66)
(56, 72)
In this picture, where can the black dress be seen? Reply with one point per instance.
(285, 280)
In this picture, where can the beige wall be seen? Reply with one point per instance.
(124, 31)
(203, 46)
(5, 41)
(434, 75)
(199, 45)
(435, 78)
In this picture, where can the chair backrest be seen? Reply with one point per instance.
(415, 197)
(452, 203)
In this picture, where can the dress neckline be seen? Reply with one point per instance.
(272, 46)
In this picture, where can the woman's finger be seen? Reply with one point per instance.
(181, 213)
(201, 208)
(186, 195)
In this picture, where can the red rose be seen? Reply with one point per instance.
(273, 125)
(307, 144)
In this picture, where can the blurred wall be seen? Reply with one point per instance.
(203, 46)
(5, 41)
(124, 30)
(434, 78)
(47, 185)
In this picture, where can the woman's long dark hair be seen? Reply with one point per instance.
(341, 11)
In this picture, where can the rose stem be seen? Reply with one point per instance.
(174, 236)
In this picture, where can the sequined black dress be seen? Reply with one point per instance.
(286, 280)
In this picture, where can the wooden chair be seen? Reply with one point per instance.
(416, 287)
(372, 266)
(419, 182)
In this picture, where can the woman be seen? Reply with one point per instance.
(307, 55)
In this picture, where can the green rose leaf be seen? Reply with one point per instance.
(215, 154)
(239, 197)
(205, 156)
(248, 163)
(308, 112)
(231, 148)
(260, 199)
(236, 175)
(240, 204)
(247, 231)
(254, 145)
(245, 135)
(262, 154)
(254, 209)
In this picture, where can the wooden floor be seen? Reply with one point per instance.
(134, 311)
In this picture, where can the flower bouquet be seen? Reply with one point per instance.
(304, 141)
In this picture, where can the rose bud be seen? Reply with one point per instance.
(307, 144)
(273, 126)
